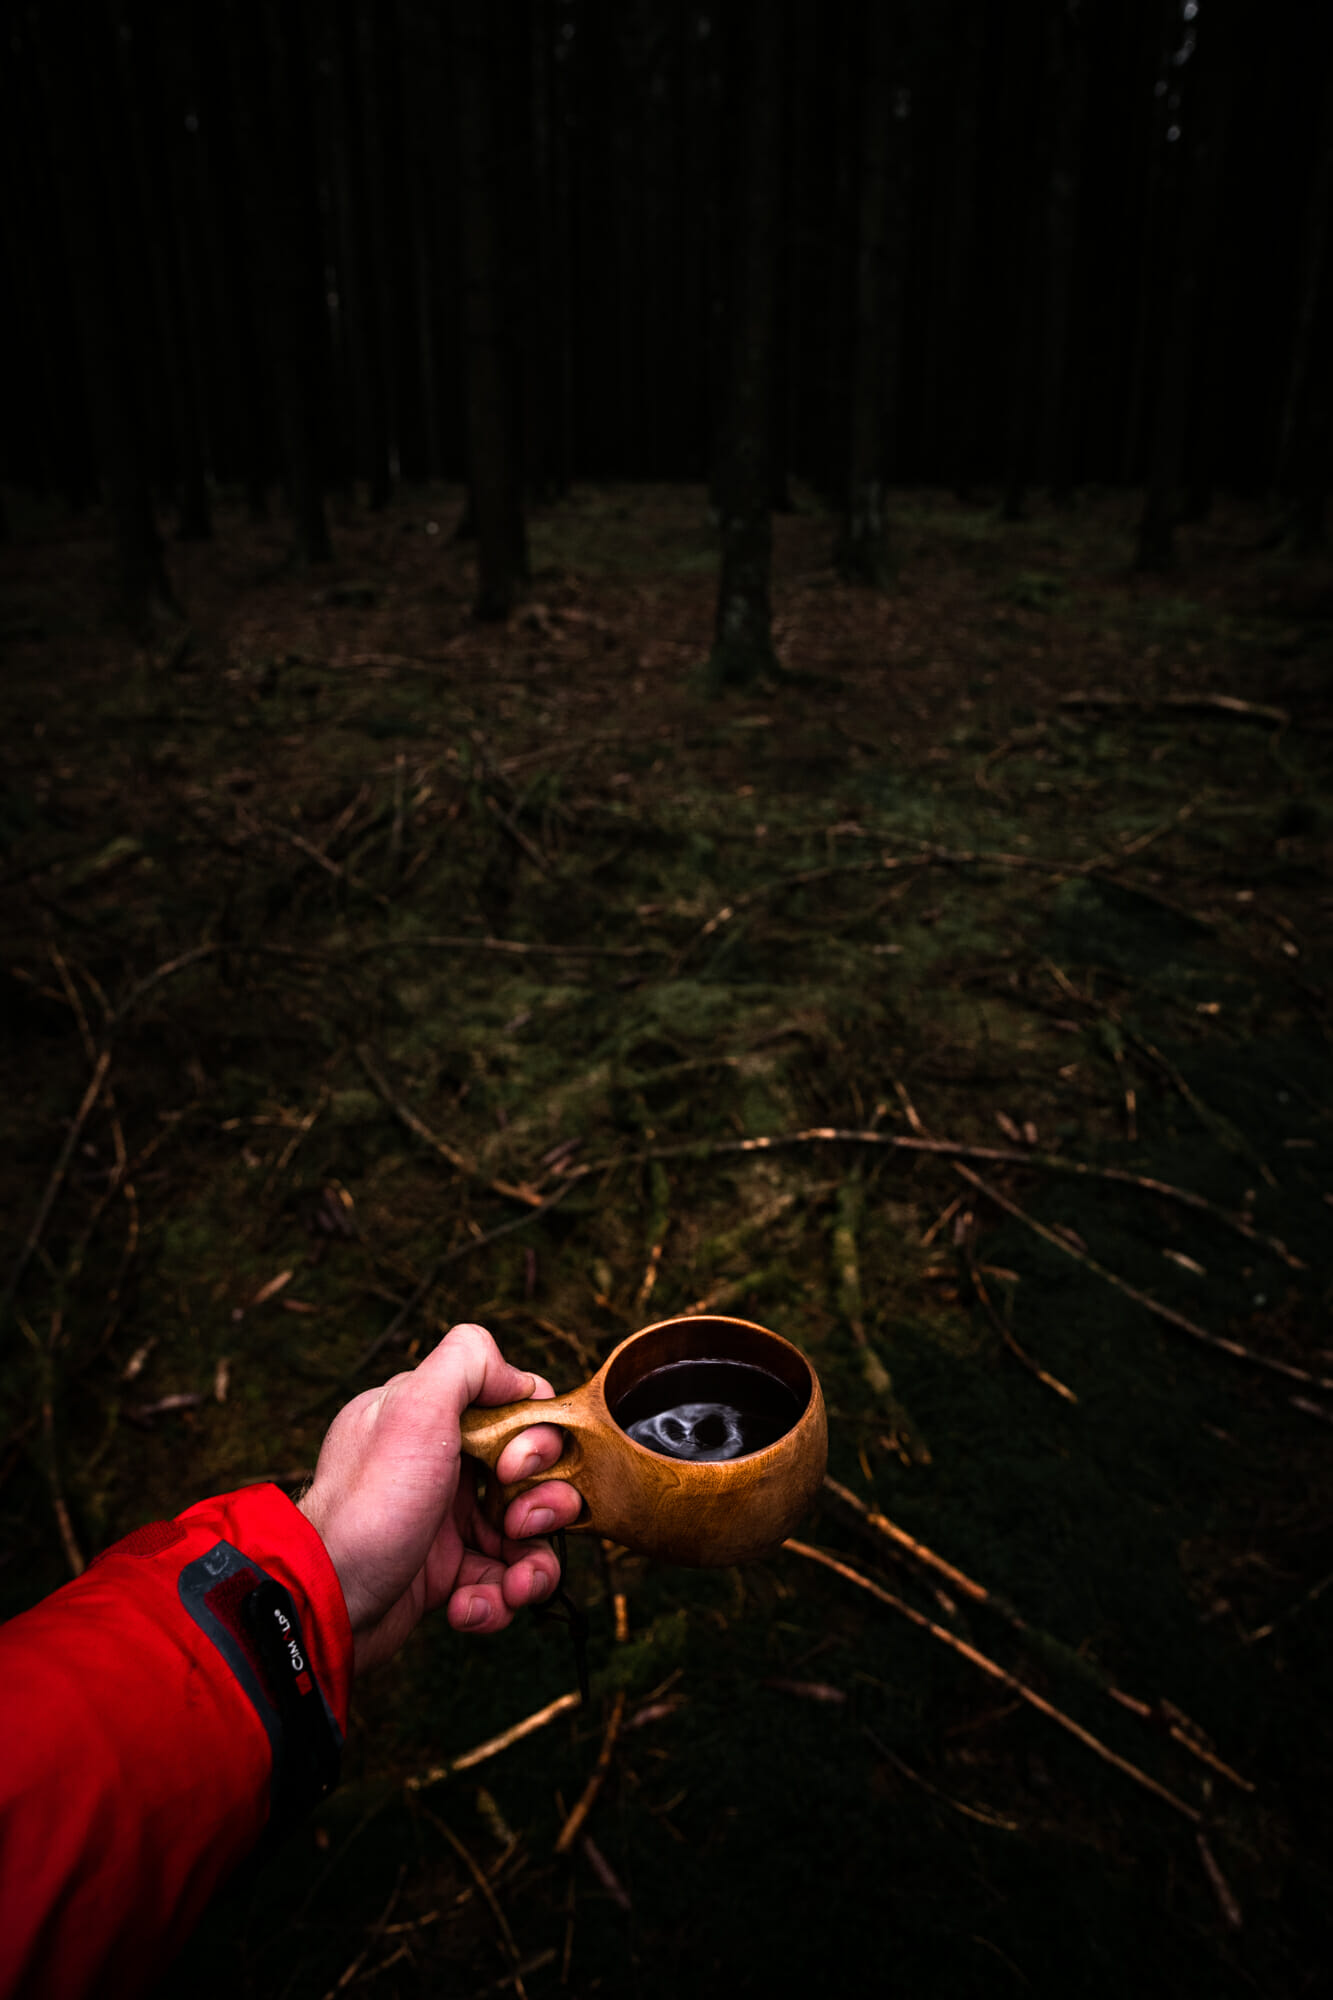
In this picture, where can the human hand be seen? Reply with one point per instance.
(395, 1505)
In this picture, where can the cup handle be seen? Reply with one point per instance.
(486, 1432)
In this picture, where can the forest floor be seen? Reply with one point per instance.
(339, 869)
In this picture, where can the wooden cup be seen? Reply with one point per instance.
(675, 1510)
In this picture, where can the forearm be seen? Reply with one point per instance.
(151, 1739)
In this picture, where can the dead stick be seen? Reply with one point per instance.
(1019, 1353)
(495, 1744)
(1154, 1306)
(956, 1149)
(440, 1147)
(68, 1539)
(1186, 1733)
(573, 1826)
(1226, 704)
(53, 1185)
(399, 813)
(998, 1673)
(515, 947)
(1221, 1888)
(489, 1896)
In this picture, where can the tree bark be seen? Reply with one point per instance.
(492, 445)
(277, 149)
(861, 554)
(1200, 124)
(1067, 82)
(96, 198)
(362, 277)
(743, 642)
(1305, 446)
(953, 359)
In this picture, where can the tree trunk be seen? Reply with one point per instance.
(176, 351)
(1067, 83)
(492, 454)
(743, 643)
(1305, 446)
(361, 278)
(861, 554)
(96, 193)
(278, 160)
(952, 359)
(1200, 126)
(1023, 273)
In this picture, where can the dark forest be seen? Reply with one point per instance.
(673, 659)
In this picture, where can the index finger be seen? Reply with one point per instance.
(532, 1451)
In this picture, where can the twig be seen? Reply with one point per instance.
(998, 1673)
(514, 947)
(376, 1932)
(1222, 704)
(399, 813)
(1221, 1888)
(53, 1185)
(572, 1827)
(520, 839)
(441, 1147)
(488, 1896)
(704, 1149)
(1019, 1353)
(1212, 1121)
(1166, 1313)
(288, 1153)
(1311, 1596)
(1182, 1731)
(915, 1778)
(605, 1873)
(494, 1744)
(195, 956)
(68, 1540)
(537, 1963)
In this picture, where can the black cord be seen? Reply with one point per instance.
(574, 1617)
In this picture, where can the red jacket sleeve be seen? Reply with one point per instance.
(141, 1744)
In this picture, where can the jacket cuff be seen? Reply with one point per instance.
(271, 1529)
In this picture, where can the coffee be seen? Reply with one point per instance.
(707, 1410)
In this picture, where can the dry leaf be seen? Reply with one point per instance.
(134, 1366)
(271, 1289)
(808, 1690)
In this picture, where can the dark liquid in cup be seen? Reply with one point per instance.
(707, 1410)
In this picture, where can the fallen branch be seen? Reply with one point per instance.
(1166, 1313)
(488, 1896)
(494, 1744)
(513, 947)
(56, 1180)
(1212, 704)
(451, 1156)
(1178, 1726)
(1051, 1163)
(1221, 1888)
(573, 1826)
(998, 1673)
(915, 1778)
(1020, 1354)
(606, 1874)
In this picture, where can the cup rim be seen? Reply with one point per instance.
(707, 1468)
